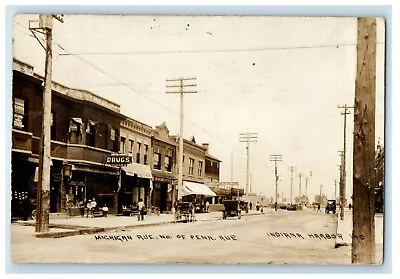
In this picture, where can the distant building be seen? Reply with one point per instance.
(379, 178)
(225, 191)
(212, 166)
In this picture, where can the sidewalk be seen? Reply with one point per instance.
(345, 228)
(63, 227)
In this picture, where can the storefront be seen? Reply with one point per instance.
(164, 191)
(136, 183)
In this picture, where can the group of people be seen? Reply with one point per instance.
(89, 208)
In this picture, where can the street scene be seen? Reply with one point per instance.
(197, 140)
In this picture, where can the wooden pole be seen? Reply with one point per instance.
(363, 249)
(43, 189)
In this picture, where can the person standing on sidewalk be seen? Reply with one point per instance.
(141, 210)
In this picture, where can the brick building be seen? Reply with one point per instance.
(164, 170)
(84, 130)
(136, 178)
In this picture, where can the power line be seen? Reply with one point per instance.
(211, 50)
(131, 88)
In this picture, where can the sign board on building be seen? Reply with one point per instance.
(119, 159)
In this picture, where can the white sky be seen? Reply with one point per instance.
(289, 96)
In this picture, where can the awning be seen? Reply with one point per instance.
(193, 188)
(140, 170)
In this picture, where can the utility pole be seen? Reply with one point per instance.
(43, 190)
(276, 158)
(342, 191)
(247, 138)
(291, 184)
(363, 251)
(179, 87)
(300, 175)
(335, 189)
(345, 112)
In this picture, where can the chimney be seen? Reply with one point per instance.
(206, 145)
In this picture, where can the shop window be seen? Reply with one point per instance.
(168, 163)
(91, 133)
(191, 166)
(157, 161)
(19, 111)
(75, 130)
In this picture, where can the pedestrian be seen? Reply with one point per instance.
(207, 206)
(319, 208)
(88, 208)
(141, 210)
(93, 206)
(257, 206)
(349, 206)
(105, 210)
(251, 206)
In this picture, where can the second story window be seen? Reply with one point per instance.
(168, 163)
(157, 161)
(138, 151)
(53, 122)
(131, 146)
(122, 145)
(146, 154)
(112, 134)
(19, 111)
(200, 169)
(91, 133)
(191, 166)
(75, 130)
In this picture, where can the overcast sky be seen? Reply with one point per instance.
(282, 78)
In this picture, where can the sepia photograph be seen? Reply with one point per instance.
(193, 139)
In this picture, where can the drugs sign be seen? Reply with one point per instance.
(119, 159)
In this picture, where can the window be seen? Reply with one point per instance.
(53, 122)
(191, 166)
(146, 153)
(130, 146)
(168, 163)
(200, 169)
(75, 130)
(91, 133)
(138, 153)
(122, 145)
(112, 134)
(157, 161)
(19, 111)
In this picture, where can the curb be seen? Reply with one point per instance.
(82, 230)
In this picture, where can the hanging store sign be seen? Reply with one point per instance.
(119, 159)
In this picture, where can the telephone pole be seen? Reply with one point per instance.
(342, 191)
(276, 158)
(291, 184)
(345, 112)
(300, 175)
(247, 138)
(43, 189)
(363, 251)
(231, 166)
(179, 87)
(335, 189)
